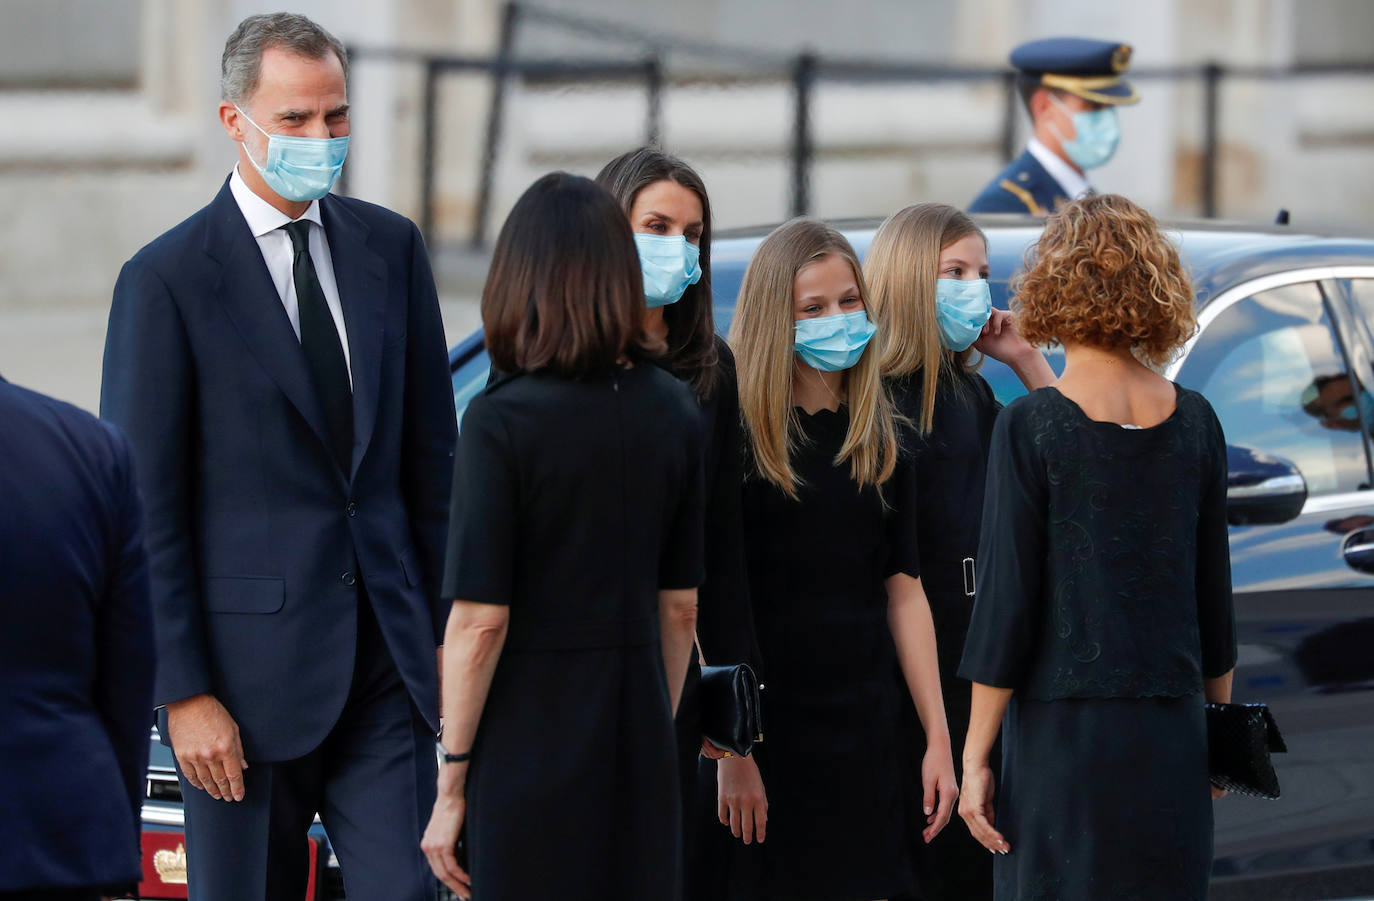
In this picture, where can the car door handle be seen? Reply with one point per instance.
(1358, 551)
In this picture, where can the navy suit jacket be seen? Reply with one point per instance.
(1024, 186)
(76, 648)
(257, 539)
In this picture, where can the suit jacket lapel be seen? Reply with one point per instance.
(245, 289)
(361, 276)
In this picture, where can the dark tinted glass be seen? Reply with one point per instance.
(1274, 372)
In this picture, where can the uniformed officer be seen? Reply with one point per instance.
(1071, 88)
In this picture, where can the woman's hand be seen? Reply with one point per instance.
(1000, 339)
(939, 787)
(741, 802)
(976, 806)
(440, 841)
(1218, 793)
(1003, 343)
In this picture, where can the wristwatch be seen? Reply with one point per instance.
(452, 758)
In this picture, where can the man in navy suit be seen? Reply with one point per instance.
(1071, 88)
(76, 653)
(278, 361)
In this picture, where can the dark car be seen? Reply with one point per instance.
(1285, 354)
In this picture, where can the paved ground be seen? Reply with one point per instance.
(59, 352)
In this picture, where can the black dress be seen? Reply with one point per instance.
(579, 501)
(725, 628)
(1105, 600)
(950, 465)
(836, 829)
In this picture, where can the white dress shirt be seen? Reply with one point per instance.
(1069, 178)
(265, 222)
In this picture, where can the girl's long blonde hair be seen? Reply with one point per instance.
(901, 268)
(762, 337)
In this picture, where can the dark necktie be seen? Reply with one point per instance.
(323, 351)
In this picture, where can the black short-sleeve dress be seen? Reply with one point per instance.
(817, 566)
(950, 464)
(578, 501)
(725, 628)
(1104, 602)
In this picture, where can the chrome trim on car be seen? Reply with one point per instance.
(1226, 299)
(1328, 503)
(164, 816)
(1278, 485)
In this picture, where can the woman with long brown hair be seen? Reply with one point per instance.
(830, 539)
(669, 211)
(574, 557)
(1103, 618)
(927, 273)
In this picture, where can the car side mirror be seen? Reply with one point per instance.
(1262, 489)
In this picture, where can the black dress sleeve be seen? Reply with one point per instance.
(987, 395)
(725, 621)
(479, 563)
(1012, 549)
(1215, 611)
(681, 560)
(900, 495)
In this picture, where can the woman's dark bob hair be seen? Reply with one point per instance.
(692, 351)
(564, 292)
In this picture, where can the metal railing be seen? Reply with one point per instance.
(644, 64)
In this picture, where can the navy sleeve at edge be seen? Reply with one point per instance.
(124, 635)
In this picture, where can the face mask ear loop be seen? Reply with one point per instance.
(1059, 104)
(244, 144)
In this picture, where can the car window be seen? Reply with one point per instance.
(1362, 294)
(1272, 369)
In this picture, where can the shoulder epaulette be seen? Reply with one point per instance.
(1023, 195)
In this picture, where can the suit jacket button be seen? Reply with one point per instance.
(351, 509)
(349, 579)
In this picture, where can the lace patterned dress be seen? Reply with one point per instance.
(1104, 602)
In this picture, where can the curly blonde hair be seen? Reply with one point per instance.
(1103, 274)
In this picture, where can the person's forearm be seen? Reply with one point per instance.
(985, 719)
(473, 641)
(1218, 690)
(677, 614)
(1033, 370)
(913, 632)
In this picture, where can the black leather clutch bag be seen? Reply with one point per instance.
(731, 714)
(1240, 738)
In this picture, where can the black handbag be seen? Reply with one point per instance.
(1240, 738)
(731, 714)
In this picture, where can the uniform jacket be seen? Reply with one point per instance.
(257, 539)
(76, 648)
(1022, 187)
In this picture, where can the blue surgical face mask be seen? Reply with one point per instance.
(832, 343)
(670, 263)
(300, 169)
(962, 308)
(1096, 134)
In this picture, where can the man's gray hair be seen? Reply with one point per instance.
(241, 64)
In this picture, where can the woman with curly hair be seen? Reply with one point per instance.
(1103, 616)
